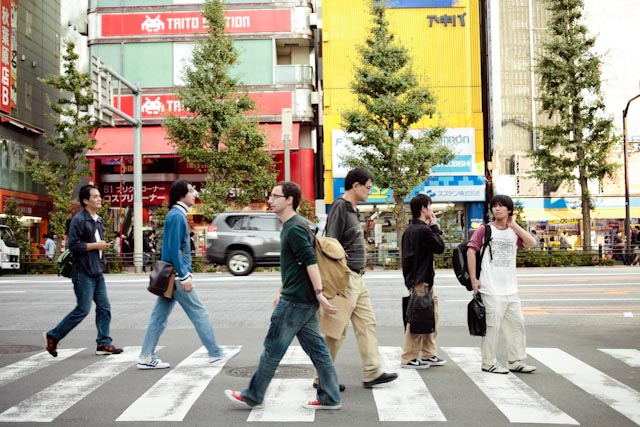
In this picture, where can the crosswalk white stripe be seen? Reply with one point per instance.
(172, 396)
(34, 363)
(48, 404)
(407, 398)
(283, 402)
(619, 396)
(630, 356)
(284, 397)
(295, 355)
(514, 398)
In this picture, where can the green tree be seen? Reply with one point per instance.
(576, 146)
(389, 101)
(219, 135)
(61, 175)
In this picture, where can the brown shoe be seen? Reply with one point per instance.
(51, 344)
(107, 349)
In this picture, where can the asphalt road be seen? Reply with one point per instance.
(583, 333)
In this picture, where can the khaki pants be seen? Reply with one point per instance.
(504, 313)
(364, 326)
(415, 344)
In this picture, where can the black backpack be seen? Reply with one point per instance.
(459, 259)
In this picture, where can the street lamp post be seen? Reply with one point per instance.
(627, 214)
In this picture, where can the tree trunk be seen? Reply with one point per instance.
(586, 215)
(401, 222)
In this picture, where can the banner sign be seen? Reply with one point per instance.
(153, 193)
(189, 23)
(8, 13)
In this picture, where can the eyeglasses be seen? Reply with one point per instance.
(275, 196)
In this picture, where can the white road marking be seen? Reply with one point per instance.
(283, 402)
(630, 356)
(407, 398)
(173, 395)
(32, 364)
(513, 397)
(48, 404)
(284, 397)
(612, 392)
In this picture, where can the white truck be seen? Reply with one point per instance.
(9, 250)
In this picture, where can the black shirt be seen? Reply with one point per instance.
(419, 243)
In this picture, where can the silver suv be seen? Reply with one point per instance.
(244, 240)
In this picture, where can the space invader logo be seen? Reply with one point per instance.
(152, 106)
(152, 25)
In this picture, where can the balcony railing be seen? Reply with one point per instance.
(294, 75)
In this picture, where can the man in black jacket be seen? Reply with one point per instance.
(86, 241)
(420, 241)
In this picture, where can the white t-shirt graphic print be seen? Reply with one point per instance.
(498, 270)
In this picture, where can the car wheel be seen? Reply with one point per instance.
(240, 263)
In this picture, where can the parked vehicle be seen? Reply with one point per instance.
(9, 250)
(244, 240)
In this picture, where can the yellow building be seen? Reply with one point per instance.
(444, 44)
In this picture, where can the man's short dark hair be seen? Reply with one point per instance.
(417, 203)
(85, 193)
(178, 190)
(45, 236)
(502, 200)
(291, 189)
(359, 175)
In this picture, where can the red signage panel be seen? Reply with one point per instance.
(5, 56)
(161, 105)
(186, 23)
(153, 193)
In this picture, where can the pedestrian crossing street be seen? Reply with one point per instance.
(174, 394)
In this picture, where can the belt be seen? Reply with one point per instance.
(360, 272)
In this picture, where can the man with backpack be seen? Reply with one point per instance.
(344, 225)
(498, 286)
(295, 311)
(420, 241)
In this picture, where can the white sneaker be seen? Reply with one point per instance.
(415, 364)
(518, 366)
(495, 369)
(227, 355)
(152, 363)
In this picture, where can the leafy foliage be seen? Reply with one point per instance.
(577, 146)
(219, 135)
(73, 139)
(389, 101)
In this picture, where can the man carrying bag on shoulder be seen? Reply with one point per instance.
(420, 241)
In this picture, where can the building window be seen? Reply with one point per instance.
(28, 92)
(28, 28)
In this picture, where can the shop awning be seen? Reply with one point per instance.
(556, 214)
(118, 141)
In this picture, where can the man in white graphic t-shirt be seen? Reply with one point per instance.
(498, 285)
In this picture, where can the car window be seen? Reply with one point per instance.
(236, 222)
(264, 223)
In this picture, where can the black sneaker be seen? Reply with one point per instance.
(102, 350)
(51, 344)
(384, 378)
(415, 364)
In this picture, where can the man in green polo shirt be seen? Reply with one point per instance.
(295, 308)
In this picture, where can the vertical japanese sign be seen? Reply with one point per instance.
(14, 53)
(5, 56)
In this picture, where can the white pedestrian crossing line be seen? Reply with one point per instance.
(407, 398)
(512, 396)
(49, 403)
(612, 392)
(630, 356)
(284, 397)
(22, 368)
(172, 396)
(283, 402)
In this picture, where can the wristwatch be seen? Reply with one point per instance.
(318, 291)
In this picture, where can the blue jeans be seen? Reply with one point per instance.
(289, 320)
(195, 311)
(87, 288)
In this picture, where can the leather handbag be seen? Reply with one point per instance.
(162, 280)
(420, 313)
(476, 316)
